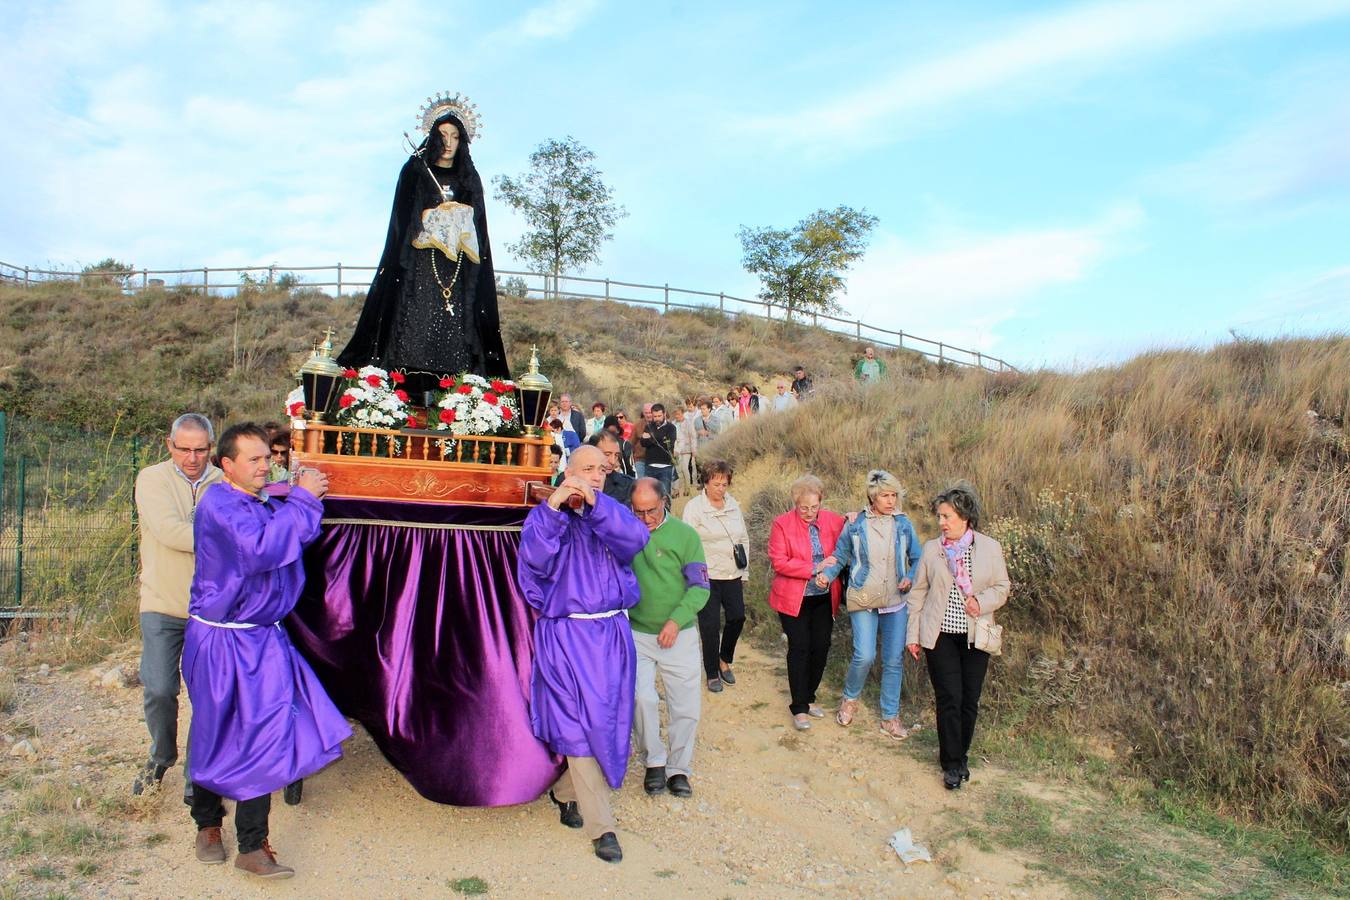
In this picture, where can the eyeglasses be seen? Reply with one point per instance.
(807, 510)
(621, 418)
(191, 451)
(648, 513)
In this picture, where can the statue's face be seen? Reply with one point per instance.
(450, 137)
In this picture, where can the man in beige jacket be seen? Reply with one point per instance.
(166, 496)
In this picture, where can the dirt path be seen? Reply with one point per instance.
(774, 812)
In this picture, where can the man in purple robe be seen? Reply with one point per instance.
(260, 718)
(576, 570)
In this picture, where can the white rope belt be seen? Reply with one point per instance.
(603, 615)
(232, 624)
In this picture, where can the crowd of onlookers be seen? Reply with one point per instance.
(663, 441)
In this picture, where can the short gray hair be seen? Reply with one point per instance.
(193, 422)
(879, 481)
(807, 484)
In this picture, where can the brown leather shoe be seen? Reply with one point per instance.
(209, 848)
(263, 863)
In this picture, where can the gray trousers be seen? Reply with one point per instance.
(681, 670)
(161, 656)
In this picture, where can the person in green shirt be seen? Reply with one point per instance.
(672, 576)
(869, 369)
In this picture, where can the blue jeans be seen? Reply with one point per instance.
(866, 624)
(663, 474)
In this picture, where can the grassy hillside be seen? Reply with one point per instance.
(93, 356)
(1177, 529)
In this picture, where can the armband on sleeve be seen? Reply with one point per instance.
(696, 575)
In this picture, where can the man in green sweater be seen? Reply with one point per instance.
(672, 576)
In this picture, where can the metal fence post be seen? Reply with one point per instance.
(18, 537)
(339, 279)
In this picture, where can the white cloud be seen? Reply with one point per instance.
(1298, 155)
(556, 19)
(1320, 302)
(959, 288)
(1085, 38)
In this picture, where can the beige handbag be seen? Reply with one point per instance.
(984, 634)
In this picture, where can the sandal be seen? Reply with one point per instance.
(847, 709)
(894, 728)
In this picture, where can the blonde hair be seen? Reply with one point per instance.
(807, 484)
(879, 481)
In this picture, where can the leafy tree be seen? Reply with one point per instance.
(107, 271)
(803, 268)
(568, 208)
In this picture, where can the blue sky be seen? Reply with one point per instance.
(1064, 184)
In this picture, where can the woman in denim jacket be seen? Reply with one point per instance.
(882, 551)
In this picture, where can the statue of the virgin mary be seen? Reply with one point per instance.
(432, 307)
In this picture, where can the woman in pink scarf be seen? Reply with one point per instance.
(961, 577)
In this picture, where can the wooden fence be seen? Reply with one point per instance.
(341, 278)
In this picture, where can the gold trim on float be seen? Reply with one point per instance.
(431, 526)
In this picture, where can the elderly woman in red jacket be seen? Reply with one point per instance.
(801, 544)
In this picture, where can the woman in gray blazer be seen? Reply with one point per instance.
(961, 577)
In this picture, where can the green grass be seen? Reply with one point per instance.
(469, 887)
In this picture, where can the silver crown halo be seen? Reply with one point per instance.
(455, 104)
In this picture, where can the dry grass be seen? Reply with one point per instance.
(1177, 529)
(91, 356)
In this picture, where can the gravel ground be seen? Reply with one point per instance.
(774, 812)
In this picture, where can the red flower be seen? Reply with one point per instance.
(295, 409)
(447, 382)
(401, 394)
(346, 401)
(466, 389)
(373, 380)
(499, 386)
(506, 414)
(398, 377)
(490, 398)
(348, 373)
(413, 423)
(447, 416)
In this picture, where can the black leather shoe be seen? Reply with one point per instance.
(679, 786)
(607, 847)
(965, 772)
(728, 676)
(568, 814)
(149, 778)
(951, 779)
(654, 782)
(294, 791)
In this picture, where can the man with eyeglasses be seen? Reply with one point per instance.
(166, 500)
(672, 575)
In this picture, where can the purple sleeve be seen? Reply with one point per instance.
(263, 545)
(540, 545)
(618, 529)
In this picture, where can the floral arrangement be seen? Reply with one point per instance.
(372, 398)
(471, 405)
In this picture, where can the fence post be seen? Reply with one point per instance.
(271, 275)
(206, 281)
(900, 344)
(145, 278)
(941, 348)
(4, 421)
(606, 288)
(18, 537)
(722, 301)
(25, 276)
(858, 322)
(667, 296)
(978, 360)
(815, 320)
(339, 279)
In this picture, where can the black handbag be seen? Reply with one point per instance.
(739, 557)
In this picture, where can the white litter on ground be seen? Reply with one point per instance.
(902, 842)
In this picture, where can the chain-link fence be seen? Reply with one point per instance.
(67, 518)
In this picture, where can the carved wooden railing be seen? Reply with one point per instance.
(425, 466)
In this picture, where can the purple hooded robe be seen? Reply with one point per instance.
(574, 565)
(260, 718)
